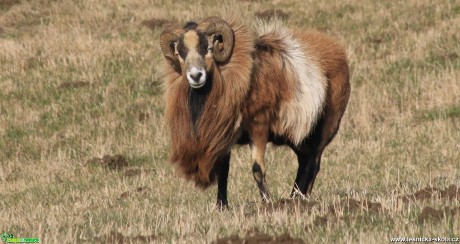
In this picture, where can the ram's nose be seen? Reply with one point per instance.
(196, 77)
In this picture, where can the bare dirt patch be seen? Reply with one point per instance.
(421, 195)
(355, 206)
(352, 210)
(450, 193)
(272, 13)
(258, 238)
(347, 219)
(436, 215)
(143, 116)
(141, 190)
(9, 2)
(117, 237)
(291, 205)
(135, 172)
(6, 4)
(108, 161)
(347, 210)
(155, 23)
(132, 172)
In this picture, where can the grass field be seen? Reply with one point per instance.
(83, 145)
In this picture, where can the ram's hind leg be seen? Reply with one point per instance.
(310, 151)
(259, 139)
(309, 156)
(222, 168)
(309, 165)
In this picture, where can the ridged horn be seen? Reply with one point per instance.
(223, 47)
(168, 37)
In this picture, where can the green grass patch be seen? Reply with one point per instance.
(440, 113)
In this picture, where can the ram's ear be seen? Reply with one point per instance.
(168, 41)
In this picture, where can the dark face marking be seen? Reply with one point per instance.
(187, 41)
(197, 100)
(202, 44)
(190, 25)
(181, 49)
(192, 47)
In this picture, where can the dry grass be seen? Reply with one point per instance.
(81, 79)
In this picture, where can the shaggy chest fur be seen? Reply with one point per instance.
(203, 122)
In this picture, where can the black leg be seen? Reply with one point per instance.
(309, 165)
(260, 180)
(222, 169)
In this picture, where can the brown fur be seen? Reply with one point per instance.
(251, 87)
(332, 58)
(326, 51)
(195, 150)
(272, 83)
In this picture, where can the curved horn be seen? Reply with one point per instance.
(168, 37)
(217, 26)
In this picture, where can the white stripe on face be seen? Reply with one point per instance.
(194, 62)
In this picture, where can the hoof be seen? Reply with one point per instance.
(221, 206)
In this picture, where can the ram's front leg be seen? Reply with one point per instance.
(222, 168)
(259, 139)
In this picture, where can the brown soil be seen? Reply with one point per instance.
(349, 205)
(155, 23)
(143, 116)
(8, 3)
(347, 219)
(72, 84)
(114, 162)
(421, 195)
(271, 13)
(351, 208)
(116, 237)
(358, 209)
(111, 162)
(322, 220)
(139, 191)
(291, 205)
(436, 215)
(258, 238)
(134, 172)
(450, 193)
(376, 40)
(355, 206)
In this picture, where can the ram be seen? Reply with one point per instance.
(227, 83)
